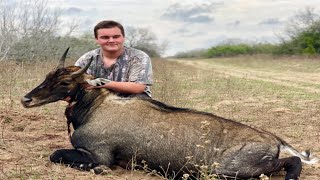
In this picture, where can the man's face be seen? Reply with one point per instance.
(110, 39)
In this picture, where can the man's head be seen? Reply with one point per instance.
(108, 25)
(109, 35)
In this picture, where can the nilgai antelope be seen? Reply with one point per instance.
(110, 130)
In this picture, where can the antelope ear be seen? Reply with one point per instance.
(83, 70)
(63, 59)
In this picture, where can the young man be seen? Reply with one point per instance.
(125, 70)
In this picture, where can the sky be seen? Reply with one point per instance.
(189, 24)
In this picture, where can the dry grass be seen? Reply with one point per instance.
(278, 95)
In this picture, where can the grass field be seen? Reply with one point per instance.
(278, 95)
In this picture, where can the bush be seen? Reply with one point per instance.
(303, 35)
(239, 49)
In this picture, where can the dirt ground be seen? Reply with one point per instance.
(296, 121)
(28, 139)
(29, 136)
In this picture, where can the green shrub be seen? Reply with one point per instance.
(239, 49)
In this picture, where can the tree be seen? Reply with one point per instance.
(29, 30)
(302, 35)
(145, 40)
(7, 27)
(301, 22)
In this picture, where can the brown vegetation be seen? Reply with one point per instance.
(280, 96)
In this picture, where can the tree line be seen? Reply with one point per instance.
(31, 30)
(301, 37)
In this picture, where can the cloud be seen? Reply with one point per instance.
(234, 24)
(191, 13)
(185, 32)
(73, 11)
(270, 21)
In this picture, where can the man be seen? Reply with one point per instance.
(122, 69)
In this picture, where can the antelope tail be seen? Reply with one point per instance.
(305, 156)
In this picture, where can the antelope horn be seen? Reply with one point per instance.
(83, 70)
(63, 58)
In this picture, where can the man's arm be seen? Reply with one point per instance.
(122, 87)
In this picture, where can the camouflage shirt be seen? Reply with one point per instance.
(132, 65)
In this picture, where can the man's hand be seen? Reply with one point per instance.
(121, 87)
(98, 82)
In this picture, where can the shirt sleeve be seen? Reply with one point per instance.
(141, 70)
